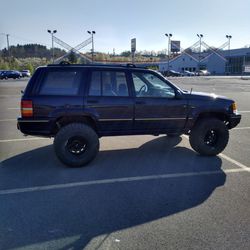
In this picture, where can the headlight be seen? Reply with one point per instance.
(234, 108)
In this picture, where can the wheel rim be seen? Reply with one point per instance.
(211, 138)
(76, 145)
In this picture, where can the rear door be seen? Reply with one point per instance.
(109, 97)
(157, 109)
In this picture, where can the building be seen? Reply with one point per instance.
(233, 62)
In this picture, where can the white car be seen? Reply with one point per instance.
(188, 73)
(25, 73)
(204, 72)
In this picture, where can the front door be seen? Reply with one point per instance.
(156, 107)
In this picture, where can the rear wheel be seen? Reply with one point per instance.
(209, 136)
(173, 135)
(76, 144)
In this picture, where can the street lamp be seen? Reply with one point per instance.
(169, 41)
(92, 36)
(200, 36)
(8, 44)
(52, 32)
(229, 37)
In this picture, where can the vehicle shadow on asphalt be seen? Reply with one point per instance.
(40, 218)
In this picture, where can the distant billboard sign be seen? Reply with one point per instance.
(133, 45)
(175, 46)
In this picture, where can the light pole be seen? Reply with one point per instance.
(92, 50)
(8, 44)
(52, 32)
(169, 41)
(200, 36)
(229, 37)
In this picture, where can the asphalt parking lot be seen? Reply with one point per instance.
(141, 192)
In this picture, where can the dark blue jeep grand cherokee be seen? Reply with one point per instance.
(77, 104)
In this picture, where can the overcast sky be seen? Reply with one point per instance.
(117, 21)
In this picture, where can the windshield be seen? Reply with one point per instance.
(168, 81)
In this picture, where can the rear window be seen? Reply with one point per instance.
(60, 83)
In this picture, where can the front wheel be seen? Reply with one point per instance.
(209, 136)
(173, 135)
(76, 144)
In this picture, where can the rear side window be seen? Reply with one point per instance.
(60, 83)
(95, 85)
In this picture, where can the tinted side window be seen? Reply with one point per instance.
(121, 84)
(108, 83)
(60, 83)
(95, 84)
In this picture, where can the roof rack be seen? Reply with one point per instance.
(67, 63)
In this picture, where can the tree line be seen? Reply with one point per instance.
(31, 56)
(30, 50)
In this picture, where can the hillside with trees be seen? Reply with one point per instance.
(31, 56)
(28, 56)
(30, 50)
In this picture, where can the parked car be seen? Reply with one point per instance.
(11, 74)
(25, 73)
(2, 75)
(174, 73)
(78, 104)
(204, 72)
(188, 73)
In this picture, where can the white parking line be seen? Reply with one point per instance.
(246, 111)
(10, 95)
(241, 128)
(235, 162)
(8, 120)
(117, 180)
(25, 139)
(244, 167)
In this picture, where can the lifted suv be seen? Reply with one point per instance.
(77, 104)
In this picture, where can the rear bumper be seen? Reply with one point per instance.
(40, 127)
(234, 120)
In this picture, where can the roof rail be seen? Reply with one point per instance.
(131, 65)
(67, 63)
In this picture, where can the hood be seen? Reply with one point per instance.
(207, 96)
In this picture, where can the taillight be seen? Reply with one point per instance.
(26, 108)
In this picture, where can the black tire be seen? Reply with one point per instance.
(172, 135)
(209, 136)
(76, 144)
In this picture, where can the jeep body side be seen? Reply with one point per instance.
(117, 100)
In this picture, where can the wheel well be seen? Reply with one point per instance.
(221, 116)
(63, 121)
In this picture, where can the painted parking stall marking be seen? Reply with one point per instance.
(24, 139)
(244, 167)
(117, 180)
